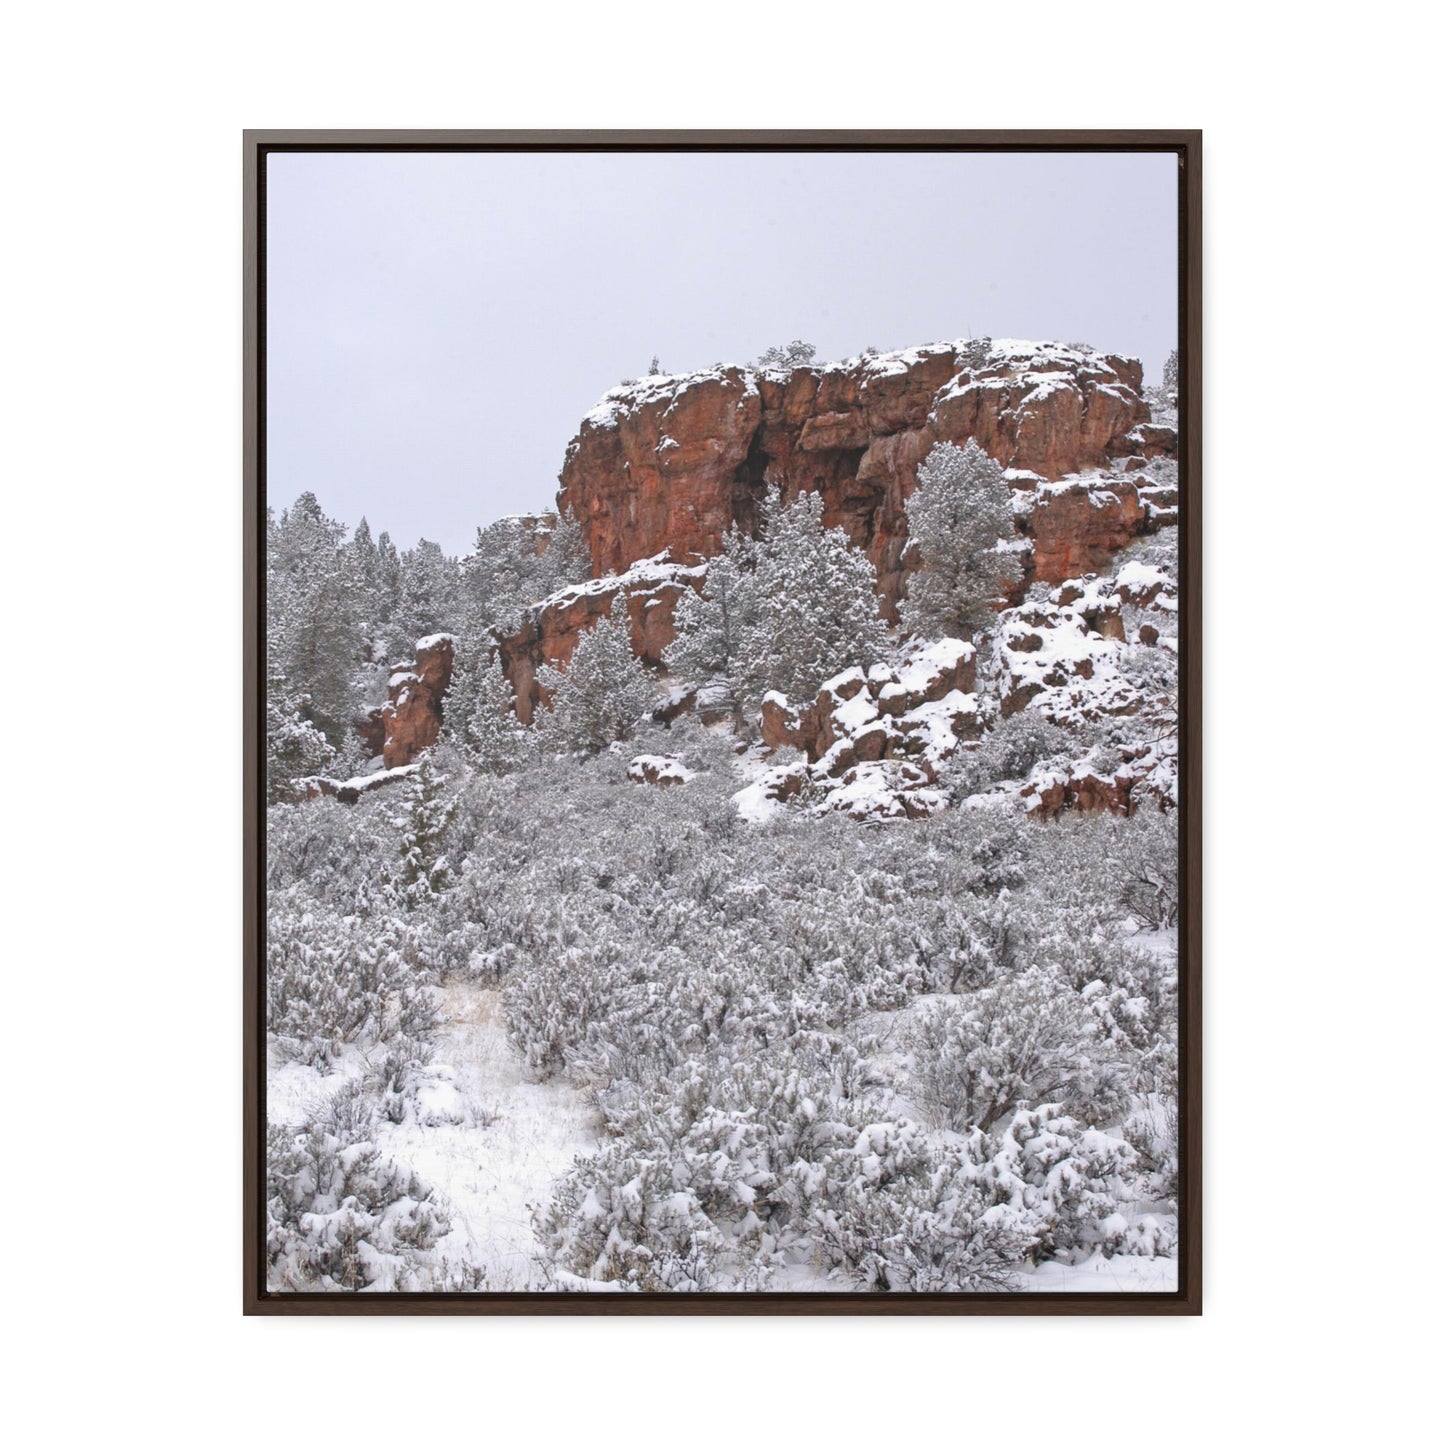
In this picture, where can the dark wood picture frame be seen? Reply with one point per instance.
(1187, 1300)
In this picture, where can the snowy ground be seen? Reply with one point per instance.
(524, 1135)
(1124, 1274)
(490, 1171)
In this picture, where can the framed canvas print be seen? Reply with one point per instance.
(722, 722)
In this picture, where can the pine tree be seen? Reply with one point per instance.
(294, 747)
(481, 716)
(958, 520)
(428, 598)
(365, 563)
(711, 625)
(1171, 375)
(511, 566)
(423, 827)
(315, 634)
(604, 691)
(817, 608)
(785, 611)
(388, 577)
(788, 357)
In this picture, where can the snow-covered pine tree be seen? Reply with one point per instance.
(604, 691)
(295, 748)
(786, 611)
(388, 576)
(958, 520)
(510, 567)
(481, 716)
(787, 357)
(423, 826)
(1171, 374)
(315, 634)
(428, 598)
(365, 562)
(711, 625)
(817, 607)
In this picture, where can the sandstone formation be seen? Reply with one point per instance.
(411, 718)
(550, 630)
(673, 462)
(661, 770)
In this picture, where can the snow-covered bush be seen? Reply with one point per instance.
(787, 357)
(1011, 749)
(975, 352)
(923, 1222)
(334, 980)
(1153, 1131)
(1027, 1040)
(342, 1216)
(1148, 869)
(1071, 1183)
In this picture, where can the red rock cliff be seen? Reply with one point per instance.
(673, 462)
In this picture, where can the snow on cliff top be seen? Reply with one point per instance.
(648, 390)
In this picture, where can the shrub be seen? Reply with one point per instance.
(341, 1216)
(332, 981)
(787, 357)
(1011, 749)
(1024, 1041)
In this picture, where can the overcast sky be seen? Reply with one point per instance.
(438, 324)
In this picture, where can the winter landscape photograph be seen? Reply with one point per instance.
(721, 749)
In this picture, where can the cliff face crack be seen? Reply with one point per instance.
(749, 485)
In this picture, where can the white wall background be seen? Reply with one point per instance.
(121, 615)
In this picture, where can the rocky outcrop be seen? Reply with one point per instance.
(874, 742)
(1076, 526)
(352, 790)
(660, 770)
(675, 461)
(550, 630)
(1063, 654)
(411, 718)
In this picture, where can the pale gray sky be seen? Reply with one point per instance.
(438, 324)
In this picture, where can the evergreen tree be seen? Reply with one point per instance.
(428, 598)
(481, 716)
(604, 691)
(365, 562)
(423, 826)
(786, 611)
(388, 577)
(1171, 375)
(711, 626)
(315, 634)
(511, 566)
(817, 608)
(958, 520)
(294, 747)
(787, 358)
